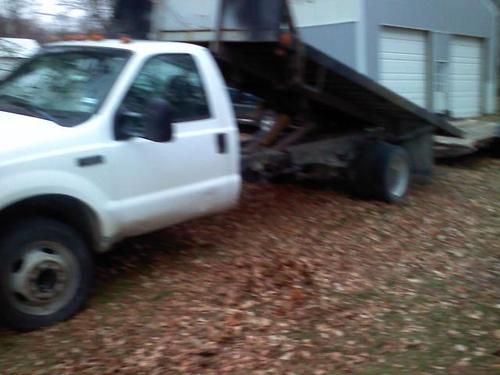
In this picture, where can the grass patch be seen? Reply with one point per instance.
(113, 290)
(447, 335)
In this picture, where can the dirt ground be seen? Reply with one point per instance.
(297, 280)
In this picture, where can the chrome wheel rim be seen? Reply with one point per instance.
(43, 278)
(398, 176)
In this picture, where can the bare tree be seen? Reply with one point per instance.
(95, 14)
(14, 17)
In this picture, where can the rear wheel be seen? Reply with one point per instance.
(383, 172)
(46, 274)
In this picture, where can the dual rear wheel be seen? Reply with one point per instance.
(383, 172)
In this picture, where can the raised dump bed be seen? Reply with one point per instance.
(315, 110)
(244, 35)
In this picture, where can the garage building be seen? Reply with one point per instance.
(439, 54)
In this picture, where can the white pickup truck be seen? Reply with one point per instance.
(101, 141)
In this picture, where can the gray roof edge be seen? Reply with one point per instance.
(491, 6)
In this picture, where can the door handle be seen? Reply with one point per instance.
(222, 143)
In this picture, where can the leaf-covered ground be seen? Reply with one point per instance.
(297, 280)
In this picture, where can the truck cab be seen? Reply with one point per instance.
(104, 140)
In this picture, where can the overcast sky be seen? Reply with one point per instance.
(50, 7)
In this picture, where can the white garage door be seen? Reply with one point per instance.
(465, 77)
(403, 63)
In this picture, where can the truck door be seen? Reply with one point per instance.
(195, 174)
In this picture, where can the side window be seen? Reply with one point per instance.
(174, 78)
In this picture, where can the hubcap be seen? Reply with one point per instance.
(398, 176)
(267, 122)
(43, 278)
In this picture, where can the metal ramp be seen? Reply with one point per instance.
(477, 135)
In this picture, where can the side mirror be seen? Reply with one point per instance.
(153, 124)
(158, 121)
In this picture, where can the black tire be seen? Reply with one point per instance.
(46, 274)
(383, 172)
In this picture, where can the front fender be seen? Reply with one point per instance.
(19, 187)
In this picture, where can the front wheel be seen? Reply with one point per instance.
(46, 273)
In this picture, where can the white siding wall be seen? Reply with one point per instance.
(185, 15)
(325, 12)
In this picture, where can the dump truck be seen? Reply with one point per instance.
(107, 139)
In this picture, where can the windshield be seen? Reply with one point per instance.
(63, 85)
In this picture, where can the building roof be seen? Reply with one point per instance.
(18, 47)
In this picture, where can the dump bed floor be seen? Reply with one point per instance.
(331, 88)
